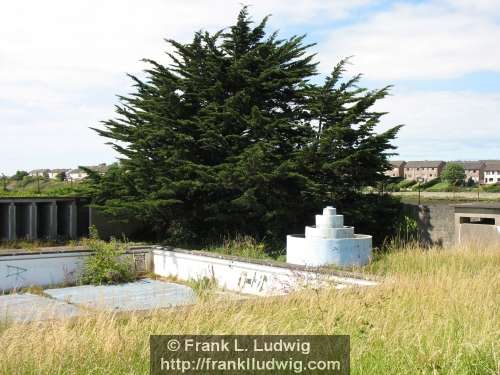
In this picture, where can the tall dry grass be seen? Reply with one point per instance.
(435, 312)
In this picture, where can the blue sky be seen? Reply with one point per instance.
(63, 63)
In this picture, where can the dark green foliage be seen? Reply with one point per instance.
(493, 188)
(20, 175)
(5, 181)
(430, 183)
(454, 174)
(233, 138)
(61, 176)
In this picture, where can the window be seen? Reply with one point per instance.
(477, 220)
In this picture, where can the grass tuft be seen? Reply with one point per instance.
(435, 312)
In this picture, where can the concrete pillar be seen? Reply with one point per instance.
(53, 221)
(12, 222)
(73, 220)
(33, 221)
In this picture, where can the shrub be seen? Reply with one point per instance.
(430, 183)
(440, 187)
(106, 265)
(406, 184)
(407, 235)
(493, 188)
(243, 246)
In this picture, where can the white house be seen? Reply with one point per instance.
(39, 172)
(54, 173)
(492, 172)
(76, 174)
(79, 174)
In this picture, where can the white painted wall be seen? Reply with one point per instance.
(49, 269)
(243, 277)
(491, 176)
(19, 271)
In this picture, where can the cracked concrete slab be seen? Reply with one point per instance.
(146, 294)
(28, 307)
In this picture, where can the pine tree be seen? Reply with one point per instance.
(226, 139)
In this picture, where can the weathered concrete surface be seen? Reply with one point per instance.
(48, 268)
(30, 307)
(478, 223)
(249, 276)
(329, 242)
(145, 294)
(435, 222)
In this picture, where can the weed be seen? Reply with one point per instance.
(107, 265)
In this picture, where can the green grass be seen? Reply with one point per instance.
(30, 245)
(494, 188)
(440, 186)
(242, 246)
(29, 187)
(435, 312)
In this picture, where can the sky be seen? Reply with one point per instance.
(63, 63)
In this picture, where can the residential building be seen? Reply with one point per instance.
(397, 169)
(423, 171)
(491, 171)
(39, 172)
(54, 173)
(101, 168)
(76, 174)
(474, 170)
(79, 174)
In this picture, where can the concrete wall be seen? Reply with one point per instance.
(42, 270)
(435, 220)
(42, 218)
(478, 224)
(480, 235)
(20, 270)
(256, 278)
(56, 219)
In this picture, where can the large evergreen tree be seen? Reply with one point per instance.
(232, 137)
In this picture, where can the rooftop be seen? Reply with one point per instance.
(492, 165)
(424, 164)
(397, 163)
(470, 164)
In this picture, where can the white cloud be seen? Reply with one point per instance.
(445, 125)
(72, 40)
(436, 39)
(62, 63)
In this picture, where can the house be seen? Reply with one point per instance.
(474, 170)
(397, 168)
(423, 171)
(54, 173)
(491, 171)
(101, 168)
(76, 174)
(39, 172)
(80, 174)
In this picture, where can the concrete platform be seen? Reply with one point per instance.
(146, 294)
(28, 307)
